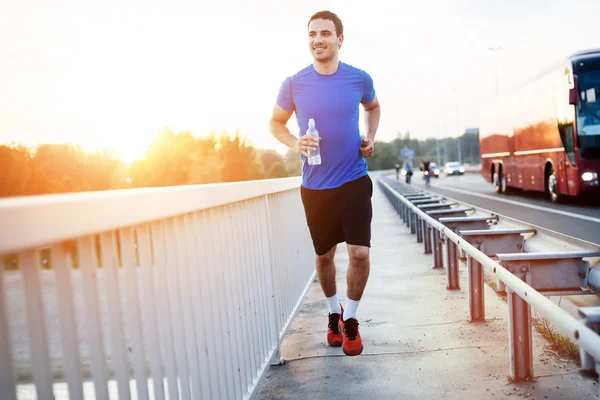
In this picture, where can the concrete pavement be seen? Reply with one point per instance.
(418, 343)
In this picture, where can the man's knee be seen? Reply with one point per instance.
(327, 258)
(358, 254)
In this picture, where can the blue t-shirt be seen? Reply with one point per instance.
(333, 102)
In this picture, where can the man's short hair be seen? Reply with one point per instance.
(339, 28)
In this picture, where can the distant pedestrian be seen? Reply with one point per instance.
(409, 172)
(426, 171)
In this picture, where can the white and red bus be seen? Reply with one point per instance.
(545, 135)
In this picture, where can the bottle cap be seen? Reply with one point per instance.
(311, 123)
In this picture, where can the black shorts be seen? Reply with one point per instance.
(339, 215)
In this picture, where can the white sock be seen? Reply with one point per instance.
(334, 304)
(350, 309)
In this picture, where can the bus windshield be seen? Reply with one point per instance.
(588, 114)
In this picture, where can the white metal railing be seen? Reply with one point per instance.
(520, 294)
(164, 293)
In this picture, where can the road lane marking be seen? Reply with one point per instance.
(526, 205)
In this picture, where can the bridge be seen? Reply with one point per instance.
(209, 292)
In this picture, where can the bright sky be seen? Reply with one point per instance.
(113, 73)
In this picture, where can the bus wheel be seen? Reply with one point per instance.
(500, 181)
(551, 189)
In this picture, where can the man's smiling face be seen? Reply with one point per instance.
(323, 41)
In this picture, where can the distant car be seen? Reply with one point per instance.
(453, 168)
(435, 170)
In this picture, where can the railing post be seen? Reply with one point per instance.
(36, 320)
(427, 238)
(7, 375)
(476, 294)
(419, 229)
(401, 209)
(452, 271)
(520, 336)
(438, 261)
(272, 304)
(407, 215)
(413, 217)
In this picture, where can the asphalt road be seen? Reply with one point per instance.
(577, 217)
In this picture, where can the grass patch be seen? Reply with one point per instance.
(561, 345)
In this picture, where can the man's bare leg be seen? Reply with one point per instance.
(356, 277)
(326, 274)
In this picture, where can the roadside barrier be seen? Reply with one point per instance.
(519, 256)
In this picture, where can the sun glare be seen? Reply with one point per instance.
(97, 79)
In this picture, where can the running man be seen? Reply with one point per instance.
(337, 193)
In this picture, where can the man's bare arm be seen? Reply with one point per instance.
(372, 112)
(278, 127)
(372, 122)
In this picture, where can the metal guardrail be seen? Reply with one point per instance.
(486, 239)
(181, 292)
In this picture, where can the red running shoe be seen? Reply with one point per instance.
(352, 344)
(334, 331)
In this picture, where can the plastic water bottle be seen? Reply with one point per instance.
(315, 156)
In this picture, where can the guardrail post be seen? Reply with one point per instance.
(438, 261)
(419, 229)
(427, 238)
(476, 294)
(520, 336)
(407, 215)
(413, 223)
(452, 271)
(591, 318)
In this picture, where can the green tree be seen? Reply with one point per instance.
(167, 162)
(57, 168)
(182, 159)
(102, 168)
(277, 170)
(384, 157)
(206, 161)
(268, 158)
(293, 163)
(238, 159)
(15, 164)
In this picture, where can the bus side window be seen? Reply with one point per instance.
(566, 114)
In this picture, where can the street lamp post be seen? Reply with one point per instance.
(458, 130)
(458, 127)
(439, 135)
